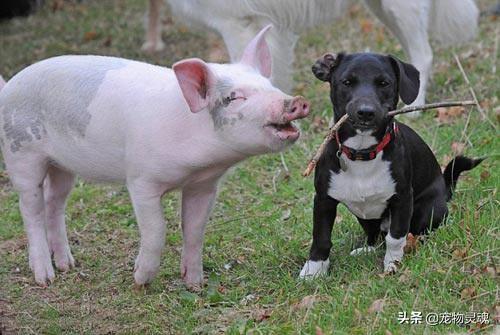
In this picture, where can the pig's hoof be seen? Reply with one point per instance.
(64, 261)
(313, 269)
(44, 273)
(363, 250)
(151, 47)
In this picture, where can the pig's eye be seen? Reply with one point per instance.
(227, 100)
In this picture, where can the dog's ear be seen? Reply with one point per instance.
(408, 79)
(324, 66)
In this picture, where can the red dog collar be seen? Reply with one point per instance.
(371, 152)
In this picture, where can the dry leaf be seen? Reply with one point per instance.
(89, 36)
(485, 174)
(319, 331)
(308, 301)
(411, 243)
(490, 270)
(468, 292)
(496, 316)
(456, 111)
(107, 42)
(457, 148)
(459, 253)
(387, 332)
(377, 306)
(260, 315)
(366, 25)
(354, 10)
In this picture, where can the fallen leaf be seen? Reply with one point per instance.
(366, 25)
(496, 316)
(456, 111)
(457, 148)
(308, 301)
(485, 174)
(89, 36)
(286, 214)
(377, 306)
(261, 314)
(412, 243)
(468, 292)
(319, 331)
(354, 10)
(107, 42)
(404, 277)
(459, 253)
(490, 270)
(387, 332)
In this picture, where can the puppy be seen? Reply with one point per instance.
(378, 167)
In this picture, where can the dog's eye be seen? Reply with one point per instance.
(383, 83)
(346, 82)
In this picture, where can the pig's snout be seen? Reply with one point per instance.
(296, 108)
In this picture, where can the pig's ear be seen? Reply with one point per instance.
(408, 79)
(324, 66)
(257, 54)
(195, 79)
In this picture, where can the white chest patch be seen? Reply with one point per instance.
(364, 187)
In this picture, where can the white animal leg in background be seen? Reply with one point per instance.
(281, 44)
(27, 176)
(57, 186)
(197, 203)
(153, 30)
(146, 199)
(409, 21)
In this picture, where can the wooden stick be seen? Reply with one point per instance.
(408, 109)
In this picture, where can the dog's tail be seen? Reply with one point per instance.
(452, 171)
(452, 21)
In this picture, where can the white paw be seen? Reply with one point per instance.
(64, 260)
(313, 269)
(153, 46)
(363, 250)
(145, 270)
(390, 267)
(41, 265)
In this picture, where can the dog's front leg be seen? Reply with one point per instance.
(325, 210)
(401, 206)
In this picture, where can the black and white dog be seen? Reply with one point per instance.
(379, 168)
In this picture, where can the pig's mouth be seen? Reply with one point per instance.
(284, 131)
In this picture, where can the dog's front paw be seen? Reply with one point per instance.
(391, 267)
(313, 269)
(363, 250)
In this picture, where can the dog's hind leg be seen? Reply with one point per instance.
(429, 211)
(372, 230)
(409, 21)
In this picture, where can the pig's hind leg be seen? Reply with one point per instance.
(27, 173)
(57, 186)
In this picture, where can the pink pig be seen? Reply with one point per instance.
(153, 128)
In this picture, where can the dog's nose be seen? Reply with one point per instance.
(366, 114)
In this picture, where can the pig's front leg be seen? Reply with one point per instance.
(146, 199)
(197, 203)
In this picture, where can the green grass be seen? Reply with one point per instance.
(260, 230)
